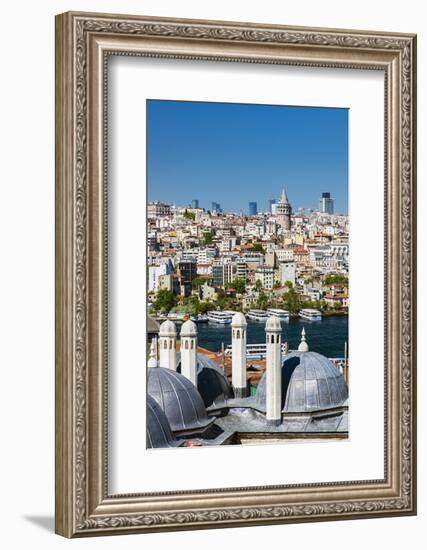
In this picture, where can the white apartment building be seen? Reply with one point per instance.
(154, 274)
(284, 255)
(287, 272)
(266, 276)
(206, 255)
(253, 259)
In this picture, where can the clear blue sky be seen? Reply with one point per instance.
(235, 154)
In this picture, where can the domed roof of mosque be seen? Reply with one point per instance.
(167, 328)
(189, 328)
(179, 400)
(212, 383)
(273, 323)
(159, 433)
(238, 320)
(310, 382)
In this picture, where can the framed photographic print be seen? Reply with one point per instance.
(235, 274)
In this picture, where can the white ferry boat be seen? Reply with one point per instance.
(255, 351)
(310, 314)
(282, 314)
(257, 315)
(220, 317)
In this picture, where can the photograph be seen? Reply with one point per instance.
(248, 270)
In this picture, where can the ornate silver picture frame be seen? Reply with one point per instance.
(84, 42)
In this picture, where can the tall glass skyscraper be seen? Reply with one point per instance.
(195, 203)
(271, 204)
(326, 204)
(253, 209)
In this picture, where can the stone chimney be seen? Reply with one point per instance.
(238, 357)
(167, 339)
(189, 351)
(273, 330)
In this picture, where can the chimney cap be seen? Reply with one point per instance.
(238, 320)
(167, 328)
(189, 328)
(273, 324)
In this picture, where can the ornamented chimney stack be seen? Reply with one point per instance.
(167, 337)
(238, 357)
(189, 351)
(273, 331)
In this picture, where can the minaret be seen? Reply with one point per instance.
(189, 351)
(167, 338)
(238, 356)
(284, 211)
(303, 344)
(152, 362)
(273, 330)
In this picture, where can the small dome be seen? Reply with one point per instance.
(167, 328)
(212, 383)
(179, 399)
(189, 328)
(238, 320)
(159, 433)
(273, 325)
(310, 382)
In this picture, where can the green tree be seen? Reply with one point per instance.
(277, 284)
(207, 239)
(336, 279)
(194, 305)
(198, 282)
(262, 302)
(165, 300)
(239, 285)
(204, 307)
(189, 215)
(292, 301)
(337, 306)
(258, 284)
(257, 247)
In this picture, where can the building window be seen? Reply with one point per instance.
(238, 334)
(170, 344)
(186, 344)
(165, 344)
(192, 344)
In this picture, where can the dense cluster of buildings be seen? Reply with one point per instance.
(263, 251)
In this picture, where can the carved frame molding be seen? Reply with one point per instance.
(83, 43)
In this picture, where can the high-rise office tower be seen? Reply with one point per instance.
(253, 210)
(216, 207)
(195, 203)
(271, 204)
(326, 204)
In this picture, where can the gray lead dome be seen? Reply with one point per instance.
(179, 399)
(212, 383)
(310, 382)
(159, 433)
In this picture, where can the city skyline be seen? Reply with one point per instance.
(234, 154)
